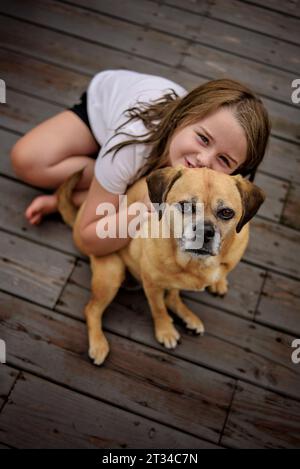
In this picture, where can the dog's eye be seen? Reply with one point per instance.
(186, 207)
(226, 213)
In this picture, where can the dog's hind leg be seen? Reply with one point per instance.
(176, 305)
(108, 272)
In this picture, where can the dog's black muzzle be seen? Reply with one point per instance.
(207, 236)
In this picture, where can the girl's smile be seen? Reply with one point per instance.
(217, 142)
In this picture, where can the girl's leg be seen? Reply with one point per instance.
(49, 154)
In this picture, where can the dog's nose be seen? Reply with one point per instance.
(209, 232)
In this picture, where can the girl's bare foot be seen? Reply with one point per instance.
(40, 206)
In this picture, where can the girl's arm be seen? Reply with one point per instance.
(85, 234)
(101, 247)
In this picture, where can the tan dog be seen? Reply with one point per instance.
(167, 265)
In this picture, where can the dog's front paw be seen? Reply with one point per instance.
(166, 334)
(99, 350)
(219, 288)
(195, 324)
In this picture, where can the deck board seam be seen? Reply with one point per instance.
(155, 347)
(6, 399)
(107, 402)
(205, 15)
(265, 7)
(228, 411)
(161, 31)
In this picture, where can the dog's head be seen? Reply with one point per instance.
(208, 205)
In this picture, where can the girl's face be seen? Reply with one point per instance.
(217, 142)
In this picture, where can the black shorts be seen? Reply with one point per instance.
(81, 110)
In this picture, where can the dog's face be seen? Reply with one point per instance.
(226, 202)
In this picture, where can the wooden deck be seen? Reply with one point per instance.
(236, 387)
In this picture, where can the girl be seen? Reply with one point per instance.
(137, 123)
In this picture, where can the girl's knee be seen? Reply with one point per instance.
(26, 163)
(22, 159)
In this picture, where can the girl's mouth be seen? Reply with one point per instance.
(188, 163)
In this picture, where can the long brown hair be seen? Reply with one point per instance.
(171, 113)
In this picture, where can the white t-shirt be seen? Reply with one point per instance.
(109, 94)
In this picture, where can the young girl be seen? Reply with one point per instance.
(137, 123)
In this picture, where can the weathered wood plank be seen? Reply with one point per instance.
(285, 119)
(279, 304)
(81, 275)
(218, 64)
(112, 31)
(52, 232)
(32, 271)
(291, 212)
(231, 345)
(276, 192)
(274, 246)
(136, 377)
(80, 55)
(47, 81)
(281, 27)
(279, 121)
(262, 419)
(180, 22)
(21, 112)
(43, 80)
(290, 7)
(204, 60)
(245, 283)
(282, 160)
(264, 355)
(8, 378)
(45, 415)
(7, 140)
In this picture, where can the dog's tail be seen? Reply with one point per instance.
(66, 207)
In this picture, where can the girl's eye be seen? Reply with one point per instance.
(206, 141)
(203, 138)
(225, 160)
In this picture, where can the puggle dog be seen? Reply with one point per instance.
(165, 265)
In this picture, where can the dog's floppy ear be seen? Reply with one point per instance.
(252, 198)
(159, 184)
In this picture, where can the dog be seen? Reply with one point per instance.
(166, 265)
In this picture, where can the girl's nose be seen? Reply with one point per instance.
(204, 160)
